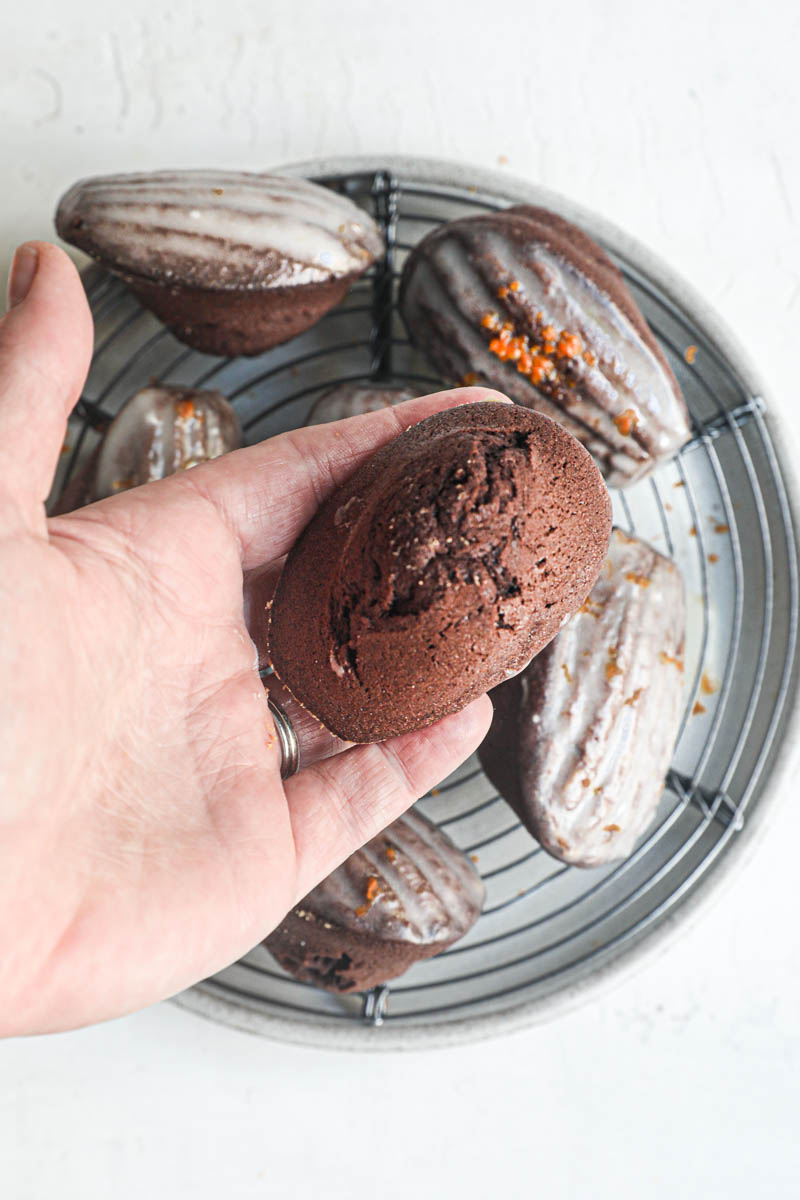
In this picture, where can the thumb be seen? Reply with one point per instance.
(45, 349)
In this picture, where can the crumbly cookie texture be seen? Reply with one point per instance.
(438, 569)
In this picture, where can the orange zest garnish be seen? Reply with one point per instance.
(689, 354)
(698, 709)
(541, 368)
(534, 361)
(611, 828)
(391, 853)
(611, 666)
(626, 421)
(185, 409)
(370, 894)
(667, 658)
(641, 580)
(569, 345)
(707, 687)
(567, 675)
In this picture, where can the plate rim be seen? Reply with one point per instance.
(624, 962)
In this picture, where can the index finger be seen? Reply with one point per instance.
(268, 493)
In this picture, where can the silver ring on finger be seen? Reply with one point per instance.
(287, 739)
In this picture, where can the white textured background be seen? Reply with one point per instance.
(680, 123)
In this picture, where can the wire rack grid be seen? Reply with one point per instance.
(720, 509)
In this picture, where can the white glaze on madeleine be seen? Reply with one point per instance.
(533, 271)
(159, 431)
(582, 739)
(427, 891)
(218, 229)
(353, 400)
(408, 894)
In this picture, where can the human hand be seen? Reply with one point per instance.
(146, 839)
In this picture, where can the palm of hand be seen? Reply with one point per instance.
(177, 790)
(148, 837)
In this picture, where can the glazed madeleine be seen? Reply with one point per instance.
(162, 430)
(582, 739)
(158, 431)
(408, 894)
(352, 400)
(232, 261)
(524, 301)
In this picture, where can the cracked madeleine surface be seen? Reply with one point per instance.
(454, 555)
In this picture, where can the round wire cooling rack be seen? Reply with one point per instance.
(720, 509)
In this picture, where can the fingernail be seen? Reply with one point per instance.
(21, 275)
(494, 397)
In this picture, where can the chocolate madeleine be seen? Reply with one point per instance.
(354, 399)
(582, 739)
(232, 262)
(447, 560)
(405, 896)
(524, 301)
(159, 431)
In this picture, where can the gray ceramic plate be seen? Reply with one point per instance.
(550, 935)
